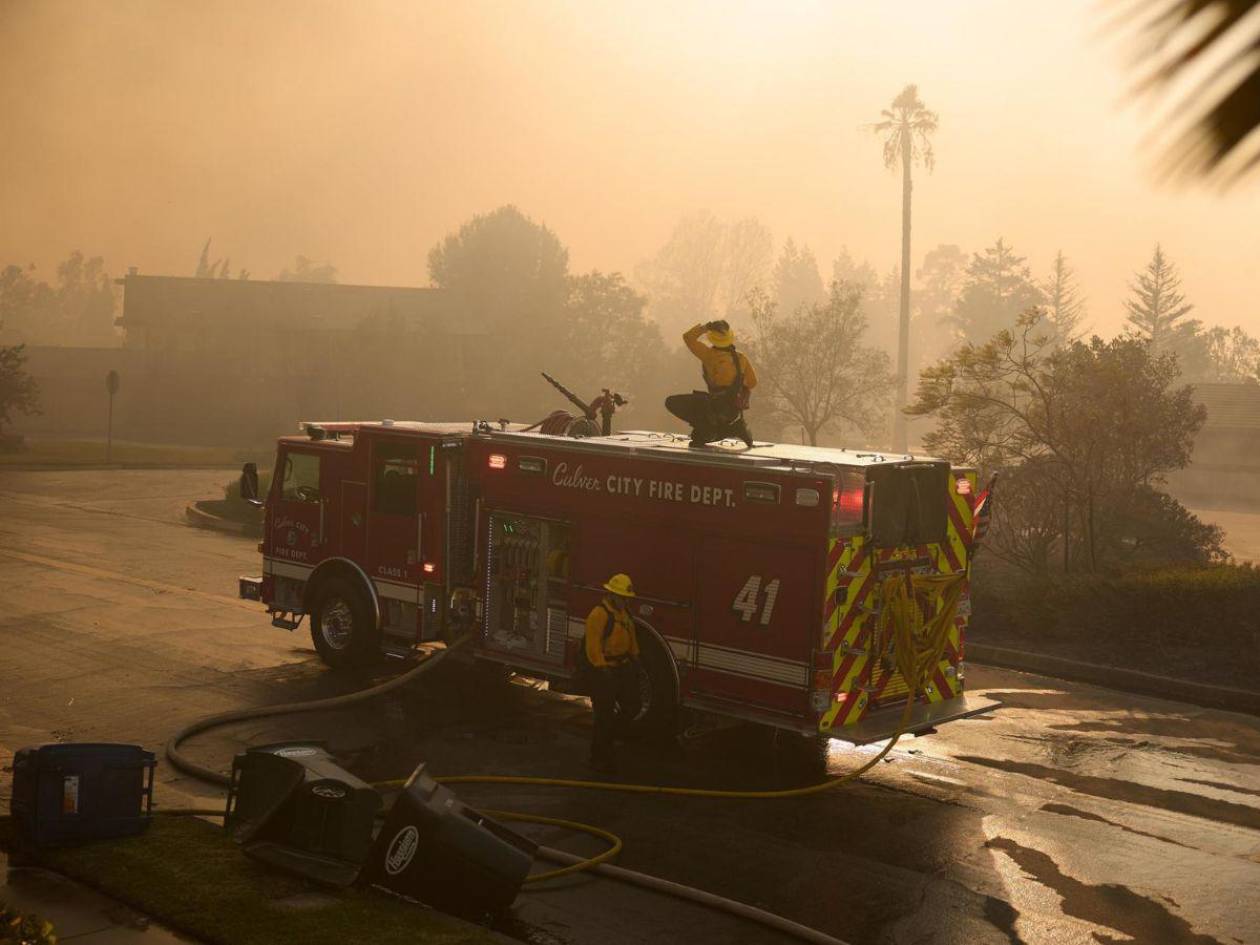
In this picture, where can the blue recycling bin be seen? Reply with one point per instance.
(66, 794)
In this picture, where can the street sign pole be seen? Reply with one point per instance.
(111, 384)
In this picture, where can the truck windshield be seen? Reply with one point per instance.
(907, 504)
(300, 479)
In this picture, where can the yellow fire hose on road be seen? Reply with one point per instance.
(916, 647)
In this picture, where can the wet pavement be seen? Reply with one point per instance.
(1073, 814)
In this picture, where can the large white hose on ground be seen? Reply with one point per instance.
(690, 893)
(572, 863)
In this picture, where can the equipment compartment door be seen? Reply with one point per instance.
(527, 586)
(758, 615)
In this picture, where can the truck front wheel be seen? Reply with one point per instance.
(342, 628)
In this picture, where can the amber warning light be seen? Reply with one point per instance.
(498, 461)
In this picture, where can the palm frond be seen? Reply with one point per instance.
(1217, 136)
(908, 123)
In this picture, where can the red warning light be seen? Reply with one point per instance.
(498, 461)
(963, 485)
(847, 504)
(429, 567)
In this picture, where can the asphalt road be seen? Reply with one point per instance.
(1073, 814)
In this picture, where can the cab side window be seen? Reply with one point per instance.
(396, 479)
(301, 478)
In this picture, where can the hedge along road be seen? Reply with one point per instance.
(1073, 810)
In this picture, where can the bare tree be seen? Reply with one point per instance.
(907, 129)
(683, 281)
(705, 271)
(749, 250)
(1233, 355)
(306, 269)
(819, 375)
(215, 269)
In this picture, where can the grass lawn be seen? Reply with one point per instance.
(189, 875)
(40, 452)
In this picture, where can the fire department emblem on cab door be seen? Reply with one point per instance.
(291, 538)
(401, 849)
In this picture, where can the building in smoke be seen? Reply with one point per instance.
(238, 361)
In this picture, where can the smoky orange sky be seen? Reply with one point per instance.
(362, 132)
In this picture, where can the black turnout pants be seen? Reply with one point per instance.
(615, 699)
(697, 409)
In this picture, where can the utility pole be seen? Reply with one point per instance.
(112, 381)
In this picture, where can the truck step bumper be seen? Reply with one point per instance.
(885, 723)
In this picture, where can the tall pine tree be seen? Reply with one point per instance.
(1157, 305)
(998, 289)
(797, 282)
(1157, 311)
(1065, 306)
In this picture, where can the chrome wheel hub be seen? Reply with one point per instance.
(336, 624)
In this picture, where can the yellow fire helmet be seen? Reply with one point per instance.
(721, 339)
(621, 585)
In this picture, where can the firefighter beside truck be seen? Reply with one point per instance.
(763, 577)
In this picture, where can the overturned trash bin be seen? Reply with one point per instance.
(438, 850)
(292, 806)
(71, 793)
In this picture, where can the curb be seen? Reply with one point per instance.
(200, 519)
(1111, 677)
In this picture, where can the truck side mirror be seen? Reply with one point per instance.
(249, 484)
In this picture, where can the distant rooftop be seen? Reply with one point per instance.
(1234, 406)
(162, 303)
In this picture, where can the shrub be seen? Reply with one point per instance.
(17, 928)
(1177, 622)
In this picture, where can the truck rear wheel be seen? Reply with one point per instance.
(658, 691)
(342, 627)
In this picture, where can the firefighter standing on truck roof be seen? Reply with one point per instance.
(612, 650)
(719, 411)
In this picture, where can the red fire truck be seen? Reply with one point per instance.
(758, 570)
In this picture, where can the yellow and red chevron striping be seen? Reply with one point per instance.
(855, 571)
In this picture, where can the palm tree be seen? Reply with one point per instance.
(1210, 47)
(907, 128)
